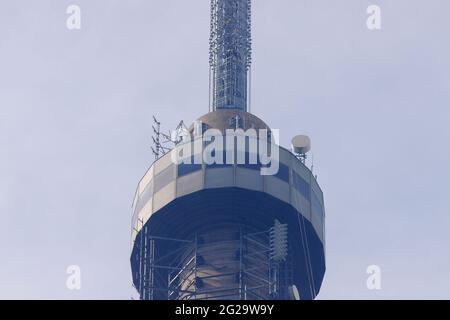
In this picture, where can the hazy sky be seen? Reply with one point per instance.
(75, 132)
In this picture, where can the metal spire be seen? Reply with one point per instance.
(230, 53)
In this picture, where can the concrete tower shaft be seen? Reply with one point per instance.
(230, 53)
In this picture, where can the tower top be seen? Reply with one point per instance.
(230, 53)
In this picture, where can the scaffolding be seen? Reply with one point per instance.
(232, 265)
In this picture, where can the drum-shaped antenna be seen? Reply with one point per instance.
(301, 144)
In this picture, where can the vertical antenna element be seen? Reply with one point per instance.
(163, 143)
(279, 242)
(230, 53)
(156, 138)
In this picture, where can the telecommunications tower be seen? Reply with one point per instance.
(229, 229)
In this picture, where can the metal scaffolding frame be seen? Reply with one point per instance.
(197, 270)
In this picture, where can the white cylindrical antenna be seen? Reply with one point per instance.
(301, 145)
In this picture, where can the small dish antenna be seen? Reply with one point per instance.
(301, 145)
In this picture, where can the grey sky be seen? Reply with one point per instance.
(75, 127)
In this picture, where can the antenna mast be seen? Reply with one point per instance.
(161, 140)
(230, 54)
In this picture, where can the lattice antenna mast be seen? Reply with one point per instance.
(158, 147)
(230, 54)
(163, 143)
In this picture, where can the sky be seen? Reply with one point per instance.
(76, 110)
